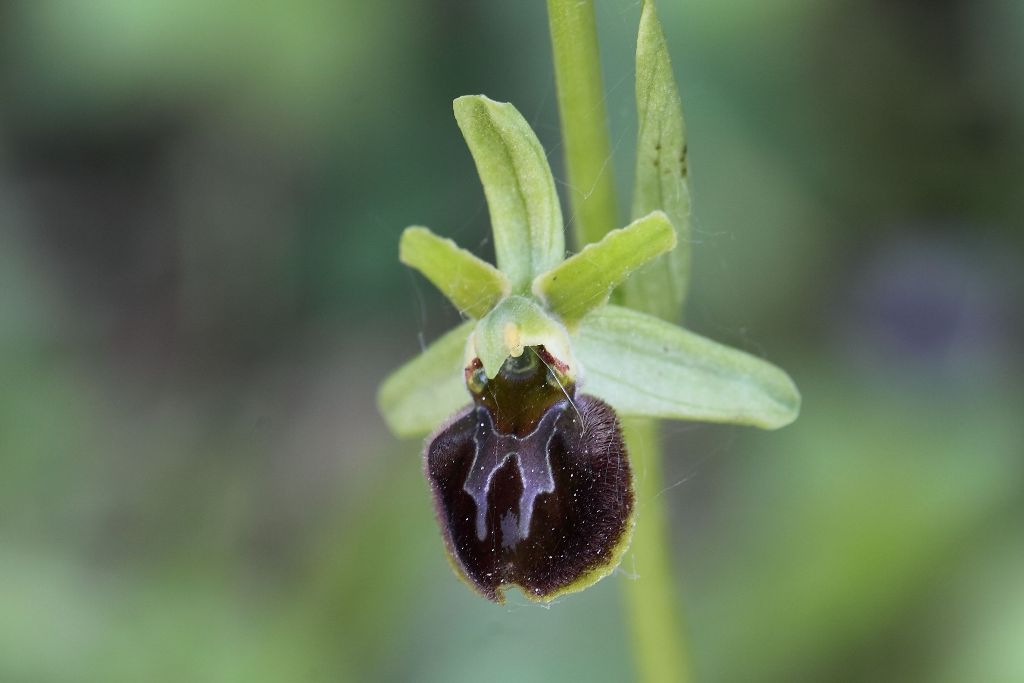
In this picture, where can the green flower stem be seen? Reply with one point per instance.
(584, 123)
(659, 645)
(658, 638)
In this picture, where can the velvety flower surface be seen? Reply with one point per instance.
(538, 495)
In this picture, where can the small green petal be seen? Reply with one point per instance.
(644, 366)
(661, 172)
(518, 322)
(430, 388)
(472, 284)
(585, 281)
(525, 214)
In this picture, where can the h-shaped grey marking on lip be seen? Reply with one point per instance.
(494, 449)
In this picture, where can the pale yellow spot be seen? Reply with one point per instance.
(513, 340)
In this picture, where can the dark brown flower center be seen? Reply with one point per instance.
(532, 483)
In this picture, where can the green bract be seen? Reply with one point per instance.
(635, 361)
(661, 172)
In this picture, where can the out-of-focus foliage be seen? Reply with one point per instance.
(200, 206)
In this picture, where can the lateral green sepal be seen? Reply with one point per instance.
(585, 281)
(644, 366)
(428, 389)
(470, 283)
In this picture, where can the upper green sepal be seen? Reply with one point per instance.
(585, 281)
(518, 322)
(428, 389)
(644, 366)
(661, 173)
(526, 217)
(472, 284)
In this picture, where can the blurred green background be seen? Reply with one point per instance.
(199, 292)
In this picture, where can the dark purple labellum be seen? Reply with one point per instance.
(532, 484)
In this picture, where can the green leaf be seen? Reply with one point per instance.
(642, 365)
(518, 322)
(661, 172)
(472, 284)
(430, 388)
(586, 280)
(525, 215)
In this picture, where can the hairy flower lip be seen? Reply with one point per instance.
(546, 534)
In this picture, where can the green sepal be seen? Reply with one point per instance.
(428, 389)
(525, 214)
(470, 283)
(514, 324)
(644, 366)
(661, 173)
(585, 281)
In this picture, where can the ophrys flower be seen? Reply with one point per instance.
(528, 468)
